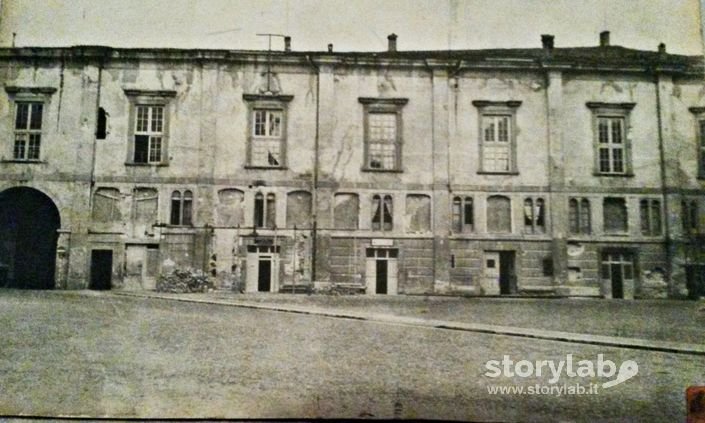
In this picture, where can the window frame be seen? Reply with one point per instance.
(622, 111)
(583, 216)
(653, 219)
(690, 214)
(150, 99)
(510, 214)
(460, 225)
(383, 106)
(485, 109)
(33, 96)
(182, 202)
(383, 199)
(268, 104)
(699, 116)
(538, 215)
(269, 210)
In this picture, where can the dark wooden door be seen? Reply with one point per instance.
(101, 269)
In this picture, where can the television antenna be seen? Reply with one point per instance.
(269, 56)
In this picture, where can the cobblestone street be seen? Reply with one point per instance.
(89, 354)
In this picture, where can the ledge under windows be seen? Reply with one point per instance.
(371, 169)
(489, 172)
(23, 161)
(146, 164)
(255, 167)
(614, 175)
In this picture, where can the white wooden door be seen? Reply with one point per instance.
(252, 272)
(392, 276)
(490, 273)
(371, 276)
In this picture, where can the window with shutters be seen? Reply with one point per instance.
(534, 216)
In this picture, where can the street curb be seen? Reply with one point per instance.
(577, 338)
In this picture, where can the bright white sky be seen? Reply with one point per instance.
(352, 24)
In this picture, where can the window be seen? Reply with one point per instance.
(149, 127)
(463, 214)
(181, 208)
(615, 215)
(612, 144)
(298, 209)
(106, 205)
(650, 215)
(699, 113)
(534, 216)
(28, 130)
(418, 213)
(383, 134)
(382, 213)
(29, 105)
(346, 211)
(267, 130)
(265, 211)
(497, 135)
(579, 216)
(689, 209)
(499, 214)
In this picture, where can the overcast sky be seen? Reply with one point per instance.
(352, 24)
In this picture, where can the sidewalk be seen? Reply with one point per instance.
(388, 318)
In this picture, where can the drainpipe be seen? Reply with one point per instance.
(314, 199)
(433, 171)
(664, 189)
(95, 134)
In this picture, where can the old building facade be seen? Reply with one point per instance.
(560, 171)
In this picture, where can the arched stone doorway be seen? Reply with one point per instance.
(29, 221)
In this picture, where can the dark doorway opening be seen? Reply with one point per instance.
(101, 269)
(381, 277)
(617, 282)
(507, 273)
(618, 269)
(264, 276)
(29, 221)
(695, 280)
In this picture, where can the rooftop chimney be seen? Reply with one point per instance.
(662, 48)
(392, 38)
(604, 39)
(330, 48)
(287, 43)
(547, 41)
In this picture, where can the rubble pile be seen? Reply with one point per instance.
(184, 281)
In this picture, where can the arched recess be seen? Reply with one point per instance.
(29, 221)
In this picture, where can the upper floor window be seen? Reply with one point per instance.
(650, 215)
(181, 208)
(499, 214)
(29, 114)
(614, 212)
(418, 213)
(463, 214)
(612, 144)
(28, 130)
(699, 113)
(149, 130)
(579, 216)
(265, 211)
(534, 215)
(497, 135)
(689, 210)
(383, 134)
(267, 130)
(382, 213)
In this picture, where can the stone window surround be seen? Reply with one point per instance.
(275, 102)
(699, 114)
(612, 110)
(383, 105)
(505, 108)
(18, 94)
(138, 97)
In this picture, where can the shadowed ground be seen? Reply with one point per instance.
(101, 355)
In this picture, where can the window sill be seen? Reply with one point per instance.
(616, 234)
(146, 164)
(370, 169)
(487, 172)
(23, 161)
(266, 167)
(613, 175)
